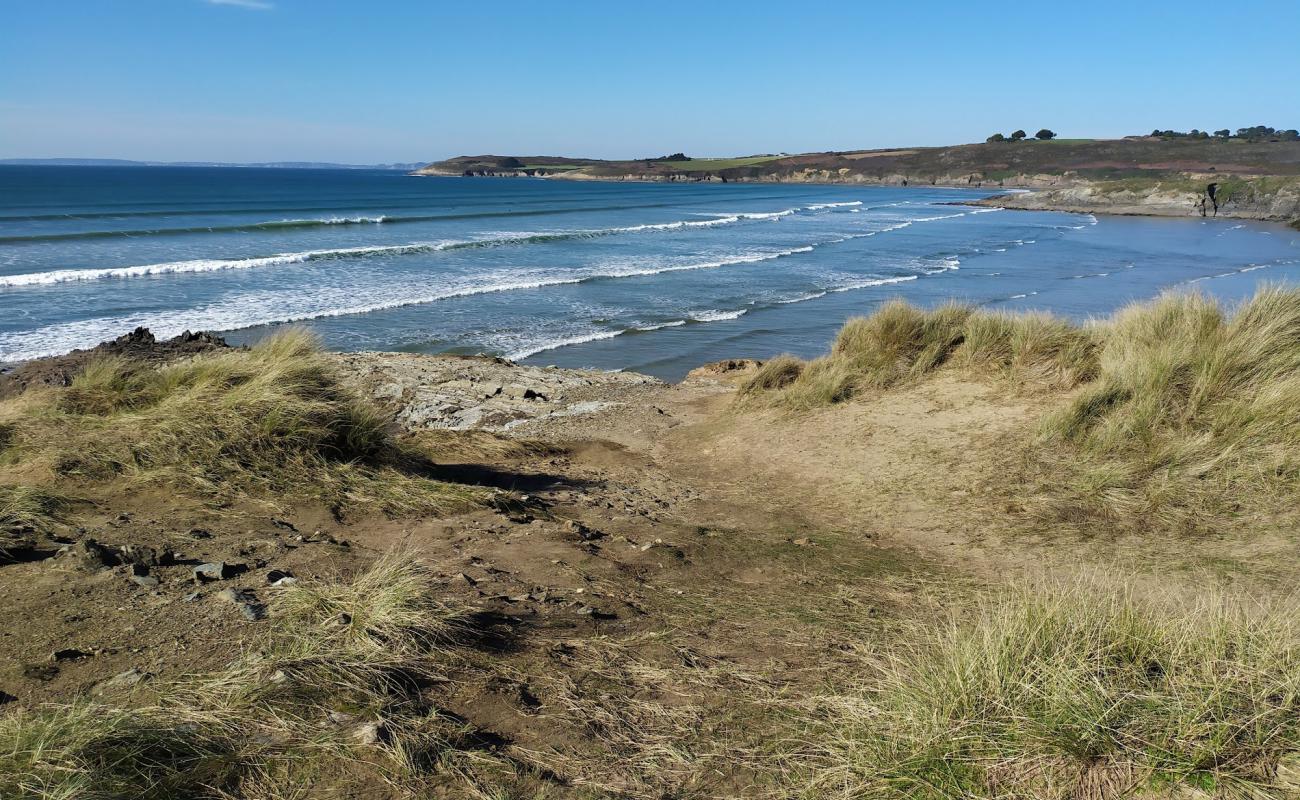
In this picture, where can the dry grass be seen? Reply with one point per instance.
(1177, 413)
(1080, 690)
(28, 508)
(333, 700)
(901, 343)
(1195, 413)
(272, 420)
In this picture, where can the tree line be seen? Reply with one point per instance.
(1017, 136)
(1257, 133)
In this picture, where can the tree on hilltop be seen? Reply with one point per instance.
(1045, 134)
(1018, 135)
(997, 137)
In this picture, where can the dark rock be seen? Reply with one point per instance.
(5, 697)
(89, 555)
(138, 555)
(69, 654)
(245, 601)
(582, 531)
(200, 533)
(288, 526)
(277, 575)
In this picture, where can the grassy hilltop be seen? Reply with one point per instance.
(276, 573)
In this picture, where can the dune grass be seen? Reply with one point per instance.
(901, 343)
(1194, 413)
(1174, 413)
(28, 508)
(331, 701)
(1076, 690)
(274, 420)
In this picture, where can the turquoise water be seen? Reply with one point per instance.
(650, 277)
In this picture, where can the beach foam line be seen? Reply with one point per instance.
(718, 316)
(270, 225)
(533, 350)
(212, 264)
(874, 282)
(240, 313)
(290, 224)
(820, 206)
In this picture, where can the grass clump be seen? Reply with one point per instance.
(775, 373)
(27, 508)
(275, 418)
(1194, 408)
(1074, 691)
(901, 343)
(333, 701)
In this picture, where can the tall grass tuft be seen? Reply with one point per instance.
(275, 418)
(901, 343)
(1193, 410)
(1080, 690)
(24, 508)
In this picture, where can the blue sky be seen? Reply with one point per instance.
(411, 80)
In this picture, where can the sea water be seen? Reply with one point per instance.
(651, 277)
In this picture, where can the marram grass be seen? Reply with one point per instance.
(275, 420)
(1077, 690)
(1174, 412)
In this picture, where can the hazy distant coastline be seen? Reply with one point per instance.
(122, 162)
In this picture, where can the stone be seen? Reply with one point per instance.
(369, 733)
(5, 697)
(212, 571)
(88, 555)
(245, 601)
(276, 575)
(69, 654)
(233, 595)
(138, 554)
(145, 581)
(130, 677)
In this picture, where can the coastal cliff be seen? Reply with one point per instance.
(1263, 198)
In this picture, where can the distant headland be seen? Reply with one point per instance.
(1253, 173)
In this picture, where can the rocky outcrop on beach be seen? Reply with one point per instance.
(138, 345)
(1274, 199)
(487, 393)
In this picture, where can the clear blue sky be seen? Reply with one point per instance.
(411, 80)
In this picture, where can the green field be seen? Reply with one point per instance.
(712, 164)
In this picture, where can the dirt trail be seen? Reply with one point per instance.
(675, 559)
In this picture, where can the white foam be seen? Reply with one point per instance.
(557, 343)
(820, 206)
(801, 298)
(212, 264)
(874, 282)
(274, 307)
(674, 324)
(718, 316)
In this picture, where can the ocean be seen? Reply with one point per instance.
(650, 277)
